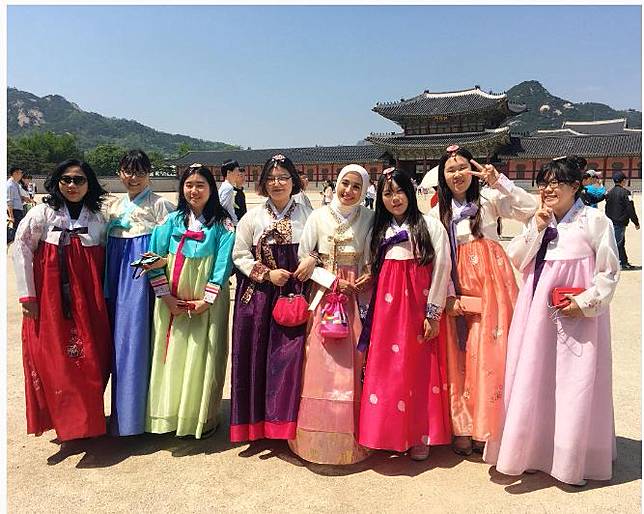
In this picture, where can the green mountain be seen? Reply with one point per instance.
(27, 113)
(546, 111)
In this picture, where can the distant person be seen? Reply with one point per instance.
(327, 193)
(593, 191)
(15, 205)
(620, 210)
(301, 197)
(231, 191)
(371, 195)
(32, 189)
(27, 198)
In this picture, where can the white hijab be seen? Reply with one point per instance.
(346, 211)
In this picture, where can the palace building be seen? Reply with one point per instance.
(429, 122)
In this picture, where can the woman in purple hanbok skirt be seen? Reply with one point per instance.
(267, 357)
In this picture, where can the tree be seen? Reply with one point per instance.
(26, 159)
(183, 148)
(104, 159)
(159, 165)
(40, 152)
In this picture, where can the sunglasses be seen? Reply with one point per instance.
(77, 180)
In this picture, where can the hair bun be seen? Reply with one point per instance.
(574, 161)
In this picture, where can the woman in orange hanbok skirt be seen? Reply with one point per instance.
(483, 293)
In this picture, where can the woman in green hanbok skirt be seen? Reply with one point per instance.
(190, 328)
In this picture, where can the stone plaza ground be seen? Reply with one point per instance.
(160, 473)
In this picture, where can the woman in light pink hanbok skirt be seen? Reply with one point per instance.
(558, 387)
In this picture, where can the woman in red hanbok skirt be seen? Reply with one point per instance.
(66, 342)
(404, 398)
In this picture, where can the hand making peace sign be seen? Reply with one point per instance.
(543, 215)
(488, 172)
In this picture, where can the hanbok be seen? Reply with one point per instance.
(266, 357)
(130, 302)
(558, 386)
(189, 352)
(476, 374)
(327, 423)
(404, 397)
(67, 349)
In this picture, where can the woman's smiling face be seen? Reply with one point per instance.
(197, 192)
(456, 175)
(350, 189)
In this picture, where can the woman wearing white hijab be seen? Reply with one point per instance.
(336, 237)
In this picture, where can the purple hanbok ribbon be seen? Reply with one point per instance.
(65, 287)
(468, 211)
(549, 235)
(365, 335)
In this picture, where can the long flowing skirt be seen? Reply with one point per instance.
(476, 375)
(189, 357)
(404, 398)
(558, 396)
(327, 422)
(67, 361)
(130, 303)
(266, 360)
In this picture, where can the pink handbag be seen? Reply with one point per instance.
(334, 323)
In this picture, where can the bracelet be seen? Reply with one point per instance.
(316, 256)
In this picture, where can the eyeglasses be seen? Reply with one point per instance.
(281, 179)
(133, 173)
(554, 184)
(77, 180)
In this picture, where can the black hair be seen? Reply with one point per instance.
(227, 166)
(421, 241)
(14, 168)
(445, 194)
(282, 162)
(27, 176)
(563, 169)
(213, 212)
(135, 160)
(95, 196)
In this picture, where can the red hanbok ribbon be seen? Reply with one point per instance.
(176, 275)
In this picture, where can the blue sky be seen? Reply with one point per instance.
(299, 76)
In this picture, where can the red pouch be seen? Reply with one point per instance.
(558, 297)
(291, 310)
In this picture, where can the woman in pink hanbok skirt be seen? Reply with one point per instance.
(558, 405)
(404, 398)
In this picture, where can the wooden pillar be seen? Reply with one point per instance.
(317, 174)
(605, 166)
(630, 170)
(534, 171)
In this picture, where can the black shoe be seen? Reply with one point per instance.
(630, 267)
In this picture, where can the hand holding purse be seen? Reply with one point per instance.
(558, 296)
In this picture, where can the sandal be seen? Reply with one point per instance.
(460, 449)
(478, 446)
(419, 452)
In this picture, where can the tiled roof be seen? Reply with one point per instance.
(597, 127)
(626, 144)
(331, 154)
(430, 104)
(554, 132)
(441, 141)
